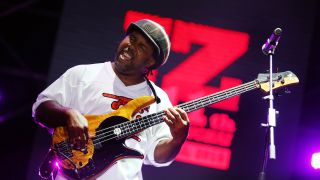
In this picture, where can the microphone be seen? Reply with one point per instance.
(272, 42)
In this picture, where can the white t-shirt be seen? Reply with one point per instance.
(95, 89)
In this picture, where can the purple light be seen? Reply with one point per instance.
(315, 160)
(57, 164)
(2, 96)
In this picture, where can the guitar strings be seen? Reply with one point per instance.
(250, 87)
(106, 136)
(192, 103)
(66, 148)
(185, 106)
(102, 137)
(128, 129)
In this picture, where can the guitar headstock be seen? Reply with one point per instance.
(279, 79)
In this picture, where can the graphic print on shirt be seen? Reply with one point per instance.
(121, 101)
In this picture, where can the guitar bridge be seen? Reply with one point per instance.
(63, 150)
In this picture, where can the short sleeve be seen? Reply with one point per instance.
(60, 90)
(160, 132)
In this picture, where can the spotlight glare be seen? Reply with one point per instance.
(315, 160)
(57, 164)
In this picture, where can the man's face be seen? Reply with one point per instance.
(134, 54)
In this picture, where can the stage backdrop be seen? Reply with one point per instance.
(215, 45)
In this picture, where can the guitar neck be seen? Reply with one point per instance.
(217, 97)
(137, 125)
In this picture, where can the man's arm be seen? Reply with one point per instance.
(51, 114)
(178, 122)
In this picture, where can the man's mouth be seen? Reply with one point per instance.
(126, 54)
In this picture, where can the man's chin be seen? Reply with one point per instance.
(120, 66)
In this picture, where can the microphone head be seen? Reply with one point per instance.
(277, 31)
(272, 42)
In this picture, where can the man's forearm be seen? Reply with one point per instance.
(51, 114)
(167, 150)
(178, 122)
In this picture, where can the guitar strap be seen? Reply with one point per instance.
(158, 100)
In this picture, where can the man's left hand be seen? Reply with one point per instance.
(178, 122)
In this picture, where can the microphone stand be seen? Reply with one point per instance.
(270, 148)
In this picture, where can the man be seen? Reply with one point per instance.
(104, 87)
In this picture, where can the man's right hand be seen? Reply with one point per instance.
(51, 114)
(77, 127)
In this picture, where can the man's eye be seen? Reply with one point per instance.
(132, 38)
(142, 47)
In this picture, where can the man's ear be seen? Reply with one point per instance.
(151, 61)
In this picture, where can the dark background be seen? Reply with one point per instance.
(39, 40)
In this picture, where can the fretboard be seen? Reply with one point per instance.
(137, 125)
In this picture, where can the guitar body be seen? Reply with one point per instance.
(101, 151)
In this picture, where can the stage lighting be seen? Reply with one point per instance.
(315, 161)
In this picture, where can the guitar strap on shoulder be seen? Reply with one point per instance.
(158, 100)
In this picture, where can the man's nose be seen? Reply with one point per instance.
(131, 47)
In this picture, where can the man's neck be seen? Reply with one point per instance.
(128, 79)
